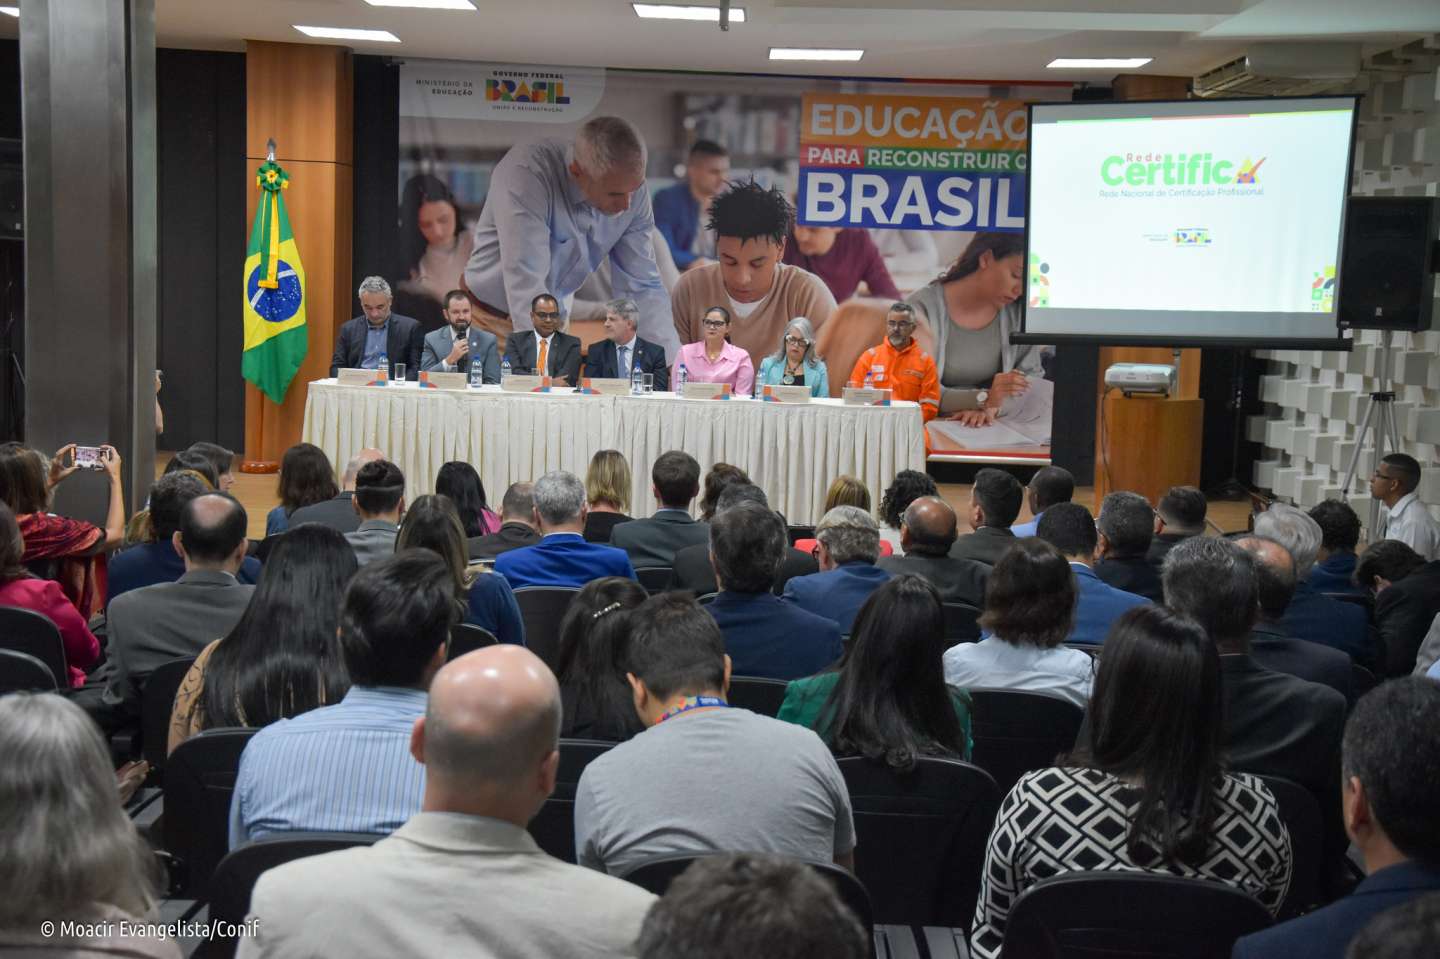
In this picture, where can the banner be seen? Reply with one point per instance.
(473, 91)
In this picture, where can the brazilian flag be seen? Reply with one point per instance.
(275, 334)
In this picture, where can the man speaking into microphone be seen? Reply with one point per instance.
(454, 348)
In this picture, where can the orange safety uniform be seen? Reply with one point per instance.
(908, 374)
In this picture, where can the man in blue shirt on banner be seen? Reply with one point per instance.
(680, 210)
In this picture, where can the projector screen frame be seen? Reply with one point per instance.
(1341, 341)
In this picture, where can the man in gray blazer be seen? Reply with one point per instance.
(460, 345)
(154, 624)
(489, 745)
(379, 502)
(675, 480)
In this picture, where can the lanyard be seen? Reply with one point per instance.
(694, 702)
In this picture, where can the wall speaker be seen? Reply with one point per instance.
(1387, 272)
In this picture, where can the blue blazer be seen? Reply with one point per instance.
(836, 594)
(438, 344)
(562, 559)
(772, 373)
(402, 344)
(1099, 606)
(601, 361)
(677, 215)
(1321, 619)
(767, 637)
(1332, 575)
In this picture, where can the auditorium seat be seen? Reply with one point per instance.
(757, 694)
(157, 703)
(23, 673)
(27, 631)
(1015, 731)
(199, 780)
(654, 578)
(553, 827)
(797, 533)
(1301, 815)
(961, 624)
(542, 608)
(467, 637)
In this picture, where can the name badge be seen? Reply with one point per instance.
(437, 380)
(525, 383)
(356, 377)
(786, 394)
(865, 396)
(604, 386)
(706, 391)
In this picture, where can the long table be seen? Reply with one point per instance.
(792, 451)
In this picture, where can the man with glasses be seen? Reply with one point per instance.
(1405, 518)
(899, 365)
(546, 351)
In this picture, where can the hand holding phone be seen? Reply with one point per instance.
(89, 457)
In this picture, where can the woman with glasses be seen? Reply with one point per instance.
(714, 359)
(794, 362)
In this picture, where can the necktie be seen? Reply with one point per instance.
(544, 369)
(625, 361)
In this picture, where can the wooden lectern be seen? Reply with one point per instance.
(1148, 444)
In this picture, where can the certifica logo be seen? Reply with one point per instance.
(1177, 169)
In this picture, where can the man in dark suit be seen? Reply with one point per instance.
(546, 351)
(927, 531)
(1407, 600)
(675, 480)
(338, 513)
(1126, 525)
(517, 529)
(1179, 515)
(994, 503)
(562, 557)
(693, 570)
(622, 351)
(378, 332)
(1390, 797)
(848, 544)
(764, 636)
(461, 344)
(1312, 615)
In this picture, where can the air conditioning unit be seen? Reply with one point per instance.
(1283, 69)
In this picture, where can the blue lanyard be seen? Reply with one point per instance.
(694, 702)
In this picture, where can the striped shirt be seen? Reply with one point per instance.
(341, 768)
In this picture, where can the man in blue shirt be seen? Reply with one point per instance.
(848, 541)
(1334, 570)
(562, 557)
(680, 208)
(1070, 529)
(1049, 485)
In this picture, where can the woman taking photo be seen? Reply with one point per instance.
(432, 523)
(306, 478)
(714, 359)
(596, 697)
(794, 362)
(462, 485)
(607, 491)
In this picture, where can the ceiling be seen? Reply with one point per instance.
(1002, 40)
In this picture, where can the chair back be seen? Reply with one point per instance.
(157, 703)
(553, 827)
(467, 637)
(797, 533)
(541, 609)
(1016, 731)
(654, 578)
(1362, 681)
(23, 673)
(1301, 814)
(757, 694)
(27, 631)
(1089, 915)
(920, 837)
(961, 624)
(705, 599)
(199, 780)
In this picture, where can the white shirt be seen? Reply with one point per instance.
(995, 664)
(1410, 522)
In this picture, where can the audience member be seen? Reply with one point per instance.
(347, 767)
(795, 362)
(459, 482)
(842, 257)
(196, 463)
(1411, 931)
(844, 490)
(907, 487)
(1334, 570)
(994, 504)
(592, 661)
(900, 364)
(927, 531)
(379, 502)
(886, 698)
(1029, 610)
(1312, 615)
(432, 523)
(22, 589)
(1126, 525)
(764, 636)
(378, 334)
(488, 745)
(1407, 600)
(306, 478)
(1050, 485)
(718, 479)
(1179, 515)
(338, 513)
(693, 570)
(675, 481)
(623, 353)
(545, 351)
(561, 557)
(1405, 517)
(607, 492)
(768, 786)
(517, 525)
(681, 208)
(746, 905)
(282, 658)
(1389, 796)
(221, 460)
(847, 548)
(1151, 768)
(1070, 529)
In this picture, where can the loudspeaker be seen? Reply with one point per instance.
(1387, 272)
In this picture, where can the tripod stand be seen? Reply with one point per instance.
(1378, 424)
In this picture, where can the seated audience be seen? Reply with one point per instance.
(1334, 570)
(718, 479)
(623, 353)
(693, 570)
(900, 364)
(545, 351)
(848, 546)
(1411, 931)
(842, 257)
(282, 658)
(459, 482)
(221, 460)
(1313, 616)
(769, 786)
(1407, 600)
(1429, 653)
(713, 358)
(306, 478)
(378, 334)
(517, 525)
(764, 636)
(1049, 485)
(22, 589)
(994, 504)
(745, 905)
(488, 745)
(681, 208)
(927, 531)
(432, 523)
(1179, 515)
(561, 557)
(795, 362)
(1126, 525)
(338, 513)
(1029, 610)
(379, 502)
(907, 487)
(886, 698)
(675, 481)
(591, 665)
(1389, 797)
(1405, 517)
(68, 851)
(196, 463)
(607, 493)
(394, 633)
(844, 490)
(1069, 528)
(1150, 768)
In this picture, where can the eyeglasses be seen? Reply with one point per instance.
(1379, 475)
(547, 316)
(715, 324)
(796, 341)
(899, 324)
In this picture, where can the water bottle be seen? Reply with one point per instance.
(504, 369)
(383, 364)
(477, 374)
(681, 379)
(637, 381)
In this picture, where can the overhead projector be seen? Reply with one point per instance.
(1131, 378)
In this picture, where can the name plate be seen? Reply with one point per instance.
(351, 377)
(787, 394)
(523, 383)
(706, 391)
(866, 396)
(605, 386)
(437, 380)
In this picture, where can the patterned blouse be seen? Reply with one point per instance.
(1065, 820)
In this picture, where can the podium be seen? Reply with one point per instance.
(1147, 444)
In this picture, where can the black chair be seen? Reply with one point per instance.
(654, 578)
(1135, 915)
(27, 631)
(1362, 681)
(960, 623)
(798, 533)
(23, 673)
(157, 702)
(553, 827)
(920, 837)
(199, 780)
(705, 599)
(542, 608)
(467, 637)
(757, 694)
(1301, 814)
(1089, 649)
(1017, 731)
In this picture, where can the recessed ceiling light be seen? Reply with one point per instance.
(345, 33)
(425, 4)
(675, 11)
(1103, 63)
(811, 53)
(10, 11)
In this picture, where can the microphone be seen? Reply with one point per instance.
(463, 334)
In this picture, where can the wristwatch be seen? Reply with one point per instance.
(981, 396)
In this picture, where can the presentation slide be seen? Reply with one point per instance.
(1199, 220)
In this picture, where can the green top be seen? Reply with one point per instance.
(804, 698)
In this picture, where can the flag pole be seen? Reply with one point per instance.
(263, 466)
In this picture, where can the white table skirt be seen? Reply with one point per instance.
(792, 451)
